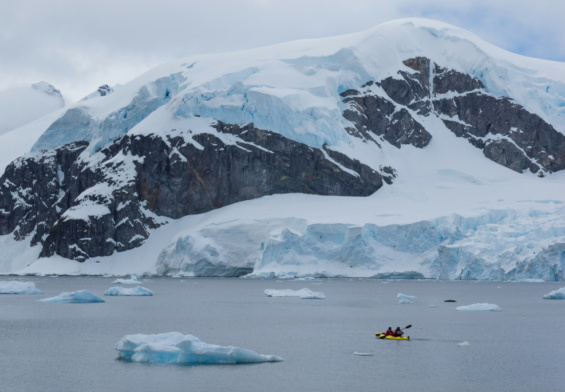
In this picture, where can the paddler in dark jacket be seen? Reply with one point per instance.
(398, 332)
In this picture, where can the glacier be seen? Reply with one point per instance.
(450, 213)
(498, 245)
(176, 348)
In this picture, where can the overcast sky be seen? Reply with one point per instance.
(77, 45)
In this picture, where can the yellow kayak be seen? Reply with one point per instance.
(381, 335)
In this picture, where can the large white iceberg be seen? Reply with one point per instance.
(176, 348)
(125, 291)
(131, 280)
(81, 296)
(556, 294)
(480, 307)
(15, 287)
(302, 293)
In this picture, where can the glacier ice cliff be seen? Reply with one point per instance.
(499, 245)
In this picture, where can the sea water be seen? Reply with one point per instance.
(70, 347)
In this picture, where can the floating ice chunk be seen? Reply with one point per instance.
(556, 294)
(137, 291)
(81, 296)
(302, 293)
(14, 287)
(479, 307)
(176, 348)
(464, 344)
(363, 354)
(131, 280)
(404, 298)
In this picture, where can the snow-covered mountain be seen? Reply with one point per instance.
(20, 105)
(419, 150)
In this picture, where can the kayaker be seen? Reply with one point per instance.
(389, 332)
(398, 332)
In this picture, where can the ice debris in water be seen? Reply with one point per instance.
(81, 296)
(176, 348)
(125, 291)
(404, 298)
(479, 307)
(303, 293)
(363, 354)
(131, 280)
(555, 294)
(14, 287)
(464, 344)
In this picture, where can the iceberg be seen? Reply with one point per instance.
(80, 297)
(556, 294)
(176, 348)
(125, 291)
(404, 298)
(14, 287)
(480, 307)
(303, 293)
(131, 280)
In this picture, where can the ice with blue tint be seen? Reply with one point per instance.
(405, 298)
(480, 307)
(77, 297)
(78, 124)
(302, 293)
(131, 280)
(555, 294)
(15, 287)
(179, 349)
(126, 291)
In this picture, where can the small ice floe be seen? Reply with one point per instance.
(15, 287)
(125, 291)
(131, 280)
(176, 348)
(480, 307)
(464, 344)
(404, 298)
(302, 293)
(80, 297)
(363, 354)
(433, 306)
(555, 294)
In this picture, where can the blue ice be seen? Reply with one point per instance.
(15, 287)
(179, 349)
(81, 296)
(555, 294)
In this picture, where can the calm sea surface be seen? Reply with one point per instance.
(70, 347)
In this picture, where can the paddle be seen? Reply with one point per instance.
(384, 336)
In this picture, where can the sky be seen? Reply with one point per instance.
(78, 45)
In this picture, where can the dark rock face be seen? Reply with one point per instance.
(506, 132)
(81, 209)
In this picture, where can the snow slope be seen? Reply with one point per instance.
(450, 213)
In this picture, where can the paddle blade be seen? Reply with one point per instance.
(408, 326)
